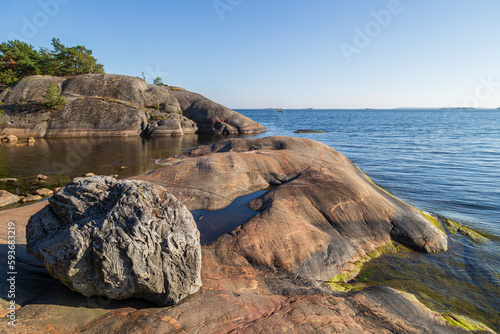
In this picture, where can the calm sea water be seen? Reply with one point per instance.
(62, 159)
(442, 161)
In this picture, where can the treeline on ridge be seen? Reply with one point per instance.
(19, 59)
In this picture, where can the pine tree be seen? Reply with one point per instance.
(52, 97)
(158, 81)
(19, 59)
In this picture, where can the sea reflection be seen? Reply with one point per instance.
(62, 159)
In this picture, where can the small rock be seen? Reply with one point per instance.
(8, 179)
(56, 189)
(309, 131)
(41, 177)
(19, 145)
(6, 198)
(32, 198)
(30, 140)
(10, 139)
(89, 174)
(44, 192)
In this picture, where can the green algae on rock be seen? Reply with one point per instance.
(433, 220)
(454, 227)
(466, 323)
(417, 274)
(344, 282)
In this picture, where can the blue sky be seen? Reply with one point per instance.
(289, 54)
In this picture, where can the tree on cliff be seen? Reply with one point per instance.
(158, 81)
(74, 60)
(52, 97)
(19, 59)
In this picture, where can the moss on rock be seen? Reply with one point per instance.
(342, 282)
(433, 220)
(454, 227)
(466, 323)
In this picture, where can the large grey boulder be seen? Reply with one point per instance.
(119, 239)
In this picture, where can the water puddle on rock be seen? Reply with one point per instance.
(214, 224)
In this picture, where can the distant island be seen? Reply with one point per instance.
(284, 109)
(458, 108)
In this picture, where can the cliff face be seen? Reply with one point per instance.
(114, 105)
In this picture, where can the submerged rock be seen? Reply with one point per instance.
(118, 239)
(309, 131)
(8, 180)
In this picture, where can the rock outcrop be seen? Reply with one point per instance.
(119, 239)
(266, 276)
(322, 215)
(114, 105)
(6, 198)
(212, 117)
(235, 297)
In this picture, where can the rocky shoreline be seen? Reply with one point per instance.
(113, 105)
(321, 216)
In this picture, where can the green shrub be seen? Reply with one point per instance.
(158, 81)
(156, 106)
(22, 99)
(177, 89)
(52, 98)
